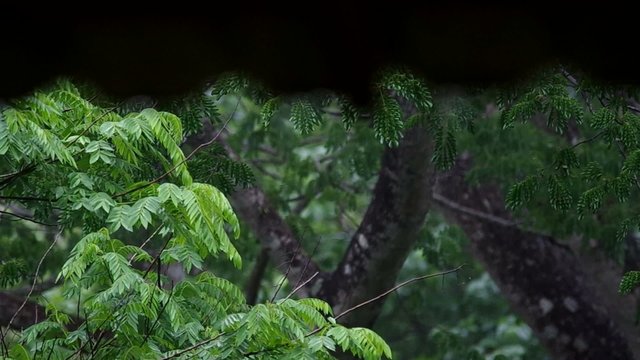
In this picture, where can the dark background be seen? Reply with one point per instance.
(169, 51)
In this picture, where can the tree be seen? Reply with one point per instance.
(114, 175)
(386, 165)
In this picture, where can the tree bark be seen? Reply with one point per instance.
(388, 231)
(542, 279)
(370, 265)
(285, 251)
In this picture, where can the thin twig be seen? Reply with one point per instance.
(35, 278)
(193, 347)
(147, 241)
(162, 309)
(301, 285)
(364, 303)
(286, 273)
(454, 205)
(26, 218)
(306, 265)
(25, 198)
(404, 283)
(587, 140)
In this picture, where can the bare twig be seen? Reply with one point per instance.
(467, 210)
(26, 218)
(194, 346)
(404, 283)
(25, 198)
(147, 240)
(302, 285)
(587, 140)
(364, 303)
(35, 280)
(286, 273)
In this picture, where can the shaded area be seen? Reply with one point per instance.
(164, 52)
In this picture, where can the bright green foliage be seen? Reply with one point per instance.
(124, 178)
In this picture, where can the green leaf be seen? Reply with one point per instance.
(521, 193)
(387, 121)
(120, 216)
(168, 191)
(268, 109)
(18, 352)
(304, 117)
(629, 281)
(100, 201)
(559, 196)
(445, 151)
(144, 209)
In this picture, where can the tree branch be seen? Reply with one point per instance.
(541, 278)
(274, 233)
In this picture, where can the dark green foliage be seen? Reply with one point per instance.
(268, 109)
(403, 83)
(629, 281)
(213, 166)
(12, 271)
(547, 94)
(565, 161)
(304, 116)
(522, 193)
(387, 121)
(445, 152)
(349, 113)
(231, 83)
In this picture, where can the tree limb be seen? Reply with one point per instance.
(542, 279)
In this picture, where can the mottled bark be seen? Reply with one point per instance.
(541, 278)
(378, 249)
(388, 231)
(601, 270)
(604, 275)
(285, 252)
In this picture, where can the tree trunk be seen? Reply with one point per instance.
(542, 279)
(370, 265)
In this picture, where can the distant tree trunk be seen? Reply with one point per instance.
(542, 279)
(374, 257)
